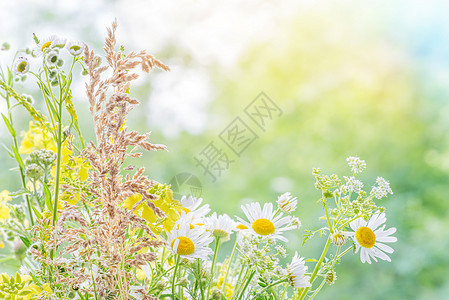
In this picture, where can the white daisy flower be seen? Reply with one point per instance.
(75, 48)
(287, 203)
(44, 45)
(264, 222)
(190, 243)
(192, 205)
(296, 272)
(21, 65)
(52, 57)
(370, 239)
(58, 42)
(220, 226)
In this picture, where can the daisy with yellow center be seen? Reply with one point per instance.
(44, 45)
(369, 238)
(296, 272)
(190, 243)
(191, 211)
(21, 65)
(75, 48)
(220, 226)
(265, 222)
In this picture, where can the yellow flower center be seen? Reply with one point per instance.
(22, 66)
(75, 47)
(185, 246)
(366, 237)
(241, 227)
(186, 210)
(263, 226)
(45, 45)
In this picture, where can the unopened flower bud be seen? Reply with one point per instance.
(339, 238)
(331, 277)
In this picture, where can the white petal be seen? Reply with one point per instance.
(382, 255)
(384, 247)
(376, 221)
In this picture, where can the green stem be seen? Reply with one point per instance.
(214, 261)
(22, 171)
(237, 286)
(283, 293)
(225, 280)
(174, 276)
(58, 164)
(246, 284)
(318, 289)
(344, 252)
(270, 286)
(317, 267)
(347, 222)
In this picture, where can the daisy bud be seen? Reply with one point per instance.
(296, 222)
(52, 58)
(29, 98)
(5, 46)
(53, 73)
(216, 294)
(60, 62)
(339, 238)
(331, 277)
(287, 203)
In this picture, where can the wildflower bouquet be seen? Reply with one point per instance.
(87, 225)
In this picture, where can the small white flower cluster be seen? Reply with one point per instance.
(382, 190)
(353, 185)
(49, 48)
(356, 164)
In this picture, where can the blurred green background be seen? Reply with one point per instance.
(352, 78)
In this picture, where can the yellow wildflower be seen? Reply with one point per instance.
(140, 274)
(15, 287)
(74, 172)
(36, 138)
(165, 202)
(4, 209)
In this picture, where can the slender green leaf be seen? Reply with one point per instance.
(18, 157)
(47, 197)
(36, 212)
(8, 124)
(25, 241)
